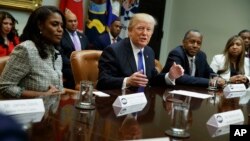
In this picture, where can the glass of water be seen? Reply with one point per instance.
(213, 81)
(179, 120)
(85, 100)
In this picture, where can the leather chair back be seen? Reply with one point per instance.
(3, 61)
(84, 66)
(158, 66)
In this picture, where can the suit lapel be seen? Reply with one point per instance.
(147, 59)
(81, 40)
(108, 40)
(186, 61)
(130, 56)
(69, 41)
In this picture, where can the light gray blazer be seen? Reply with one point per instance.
(26, 70)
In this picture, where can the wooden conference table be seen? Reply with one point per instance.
(102, 124)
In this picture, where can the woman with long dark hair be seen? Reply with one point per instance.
(34, 67)
(232, 65)
(8, 33)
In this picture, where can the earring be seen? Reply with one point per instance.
(40, 32)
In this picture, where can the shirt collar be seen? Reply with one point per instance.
(111, 37)
(71, 33)
(189, 57)
(135, 48)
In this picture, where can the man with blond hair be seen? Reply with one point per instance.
(130, 62)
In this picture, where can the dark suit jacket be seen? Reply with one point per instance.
(67, 47)
(103, 41)
(203, 70)
(117, 62)
(11, 130)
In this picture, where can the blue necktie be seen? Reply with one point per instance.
(140, 89)
(140, 68)
(140, 61)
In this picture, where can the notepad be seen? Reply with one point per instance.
(101, 94)
(191, 94)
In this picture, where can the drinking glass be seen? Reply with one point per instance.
(85, 100)
(179, 120)
(213, 78)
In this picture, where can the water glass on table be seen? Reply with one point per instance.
(213, 81)
(85, 100)
(179, 120)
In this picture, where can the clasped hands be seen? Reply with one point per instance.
(238, 79)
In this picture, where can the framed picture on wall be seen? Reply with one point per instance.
(28, 5)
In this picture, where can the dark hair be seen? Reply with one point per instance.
(191, 30)
(243, 31)
(13, 33)
(115, 18)
(32, 32)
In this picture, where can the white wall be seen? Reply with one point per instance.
(216, 19)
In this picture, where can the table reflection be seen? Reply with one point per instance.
(130, 128)
(64, 122)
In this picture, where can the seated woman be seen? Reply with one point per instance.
(8, 33)
(35, 65)
(232, 65)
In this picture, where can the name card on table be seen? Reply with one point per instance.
(21, 106)
(23, 110)
(226, 118)
(214, 131)
(130, 100)
(29, 117)
(120, 111)
(218, 131)
(234, 94)
(234, 88)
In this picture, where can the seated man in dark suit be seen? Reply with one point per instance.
(72, 40)
(192, 59)
(110, 37)
(130, 62)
